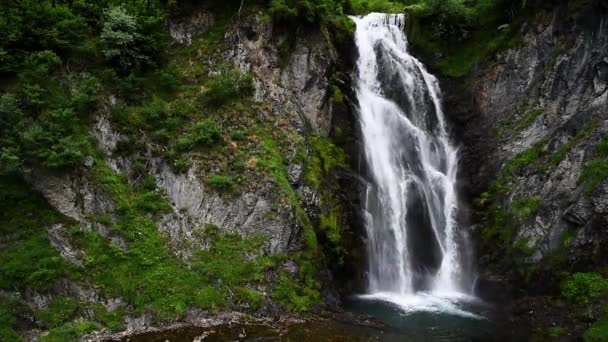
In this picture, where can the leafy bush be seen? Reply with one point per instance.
(293, 296)
(204, 133)
(220, 182)
(59, 311)
(69, 332)
(237, 135)
(581, 288)
(598, 332)
(228, 85)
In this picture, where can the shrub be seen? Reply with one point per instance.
(69, 332)
(598, 332)
(220, 182)
(228, 85)
(237, 135)
(581, 288)
(59, 311)
(293, 296)
(205, 133)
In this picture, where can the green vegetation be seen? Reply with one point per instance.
(598, 332)
(527, 119)
(8, 314)
(561, 153)
(437, 26)
(582, 288)
(59, 311)
(220, 182)
(228, 86)
(69, 332)
(325, 157)
(502, 221)
(28, 257)
(596, 171)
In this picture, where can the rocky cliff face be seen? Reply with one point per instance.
(537, 117)
(292, 94)
(533, 124)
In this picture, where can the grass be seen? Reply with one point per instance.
(527, 119)
(70, 332)
(325, 158)
(8, 320)
(28, 257)
(556, 157)
(596, 171)
(220, 182)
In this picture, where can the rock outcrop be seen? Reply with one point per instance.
(533, 121)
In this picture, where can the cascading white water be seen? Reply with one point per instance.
(410, 204)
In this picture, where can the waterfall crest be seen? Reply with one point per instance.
(410, 204)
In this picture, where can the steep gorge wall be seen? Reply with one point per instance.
(533, 124)
(283, 193)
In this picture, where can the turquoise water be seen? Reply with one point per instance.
(462, 319)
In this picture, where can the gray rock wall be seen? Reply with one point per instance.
(551, 90)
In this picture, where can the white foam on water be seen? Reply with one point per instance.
(439, 303)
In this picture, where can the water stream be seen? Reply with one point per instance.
(414, 244)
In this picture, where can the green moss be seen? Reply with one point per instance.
(526, 157)
(337, 95)
(229, 260)
(527, 119)
(501, 224)
(69, 332)
(252, 297)
(329, 224)
(325, 157)
(220, 182)
(596, 171)
(524, 208)
(562, 152)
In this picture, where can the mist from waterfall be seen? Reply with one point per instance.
(410, 205)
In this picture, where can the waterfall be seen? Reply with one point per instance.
(410, 205)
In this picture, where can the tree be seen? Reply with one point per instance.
(120, 40)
